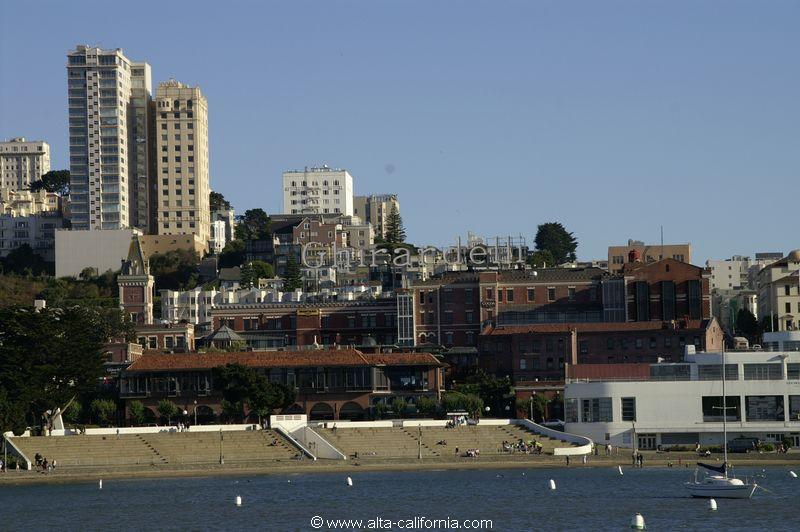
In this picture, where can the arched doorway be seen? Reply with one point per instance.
(351, 411)
(296, 408)
(321, 412)
(205, 415)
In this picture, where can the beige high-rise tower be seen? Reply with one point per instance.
(182, 180)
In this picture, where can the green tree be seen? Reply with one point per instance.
(49, 357)
(265, 396)
(255, 270)
(233, 254)
(167, 409)
(53, 181)
(380, 410)
(747, 323)
(23, 261)
(539, 405)
(217, 202)
(395, 232)
(103, 410)
(137, 411)
(399, 406)
(73, 412)
(293, 278)
(235, 382)
(561, 244)
(175, 269)
(232, 411)
(541, 259)
(494, 392)
(253, 225)
(426, 406)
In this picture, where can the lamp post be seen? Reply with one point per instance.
(195, 411)
(531, 398)
(221, 457)
(419, 444)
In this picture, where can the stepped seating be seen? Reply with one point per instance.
(395, 442)
(90, 451)
(158, 448)
(379, 443)
(204, 447)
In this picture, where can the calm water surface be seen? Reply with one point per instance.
(585, 499)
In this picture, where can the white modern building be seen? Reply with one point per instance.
(218, 239)
(318, 190)
(729, 274)
(679, 404)
(22, 162)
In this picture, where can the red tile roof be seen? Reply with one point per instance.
(403, 359)
(276, 359)
(592, 327)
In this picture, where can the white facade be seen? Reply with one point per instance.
(35, 230)
(779, 293)
(318, 190)
(729, 274)
(100, 126)
(22, 162)
(218, 239)
(101, 250)
(679, 404)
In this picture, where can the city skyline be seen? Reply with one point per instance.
(501, 129)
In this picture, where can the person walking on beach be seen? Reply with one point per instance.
(567, 460)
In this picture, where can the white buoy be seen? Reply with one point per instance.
(238, 500)
(637, 522)
(712, 505)
(349, 481)
(552, 484)
(792, 474)
(100, 484)
(619, 467)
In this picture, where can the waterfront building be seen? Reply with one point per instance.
(663, 405)
(21, 163)
(541, 351)
(182, 188)
(665, 290)
(331, 384)
(318, 190)
(617, 255)
(779, 293)
(375, 210)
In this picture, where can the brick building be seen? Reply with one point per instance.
(451, 309)
(331, 384)
(539, 352)
(666, 290)
(272, 325)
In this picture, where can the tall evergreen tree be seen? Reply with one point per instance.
(395, 232)
(561, 244)
(293, 278)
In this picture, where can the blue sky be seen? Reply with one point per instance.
(611, 117)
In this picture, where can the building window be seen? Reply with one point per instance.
(571, 410)
(584, 347)
(531, 294)
(628, 409)
(596, 410)
(764, 407)
(523, 364)
(551, 293)
(712, 408)
(763, 372)
(571, 293)
(510, 295)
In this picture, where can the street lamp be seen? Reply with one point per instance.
(195, 411)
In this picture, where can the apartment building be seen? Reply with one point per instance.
(142, 149)
(318, 190)
(100, 139)
(779, 293)
(34, 230)
(375, 210)
(618, 255)
(182, 182)
(22, 162)
(729, 274)
(25, 202)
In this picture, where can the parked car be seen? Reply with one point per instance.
(743, 445)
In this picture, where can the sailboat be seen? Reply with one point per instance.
(721, 485)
